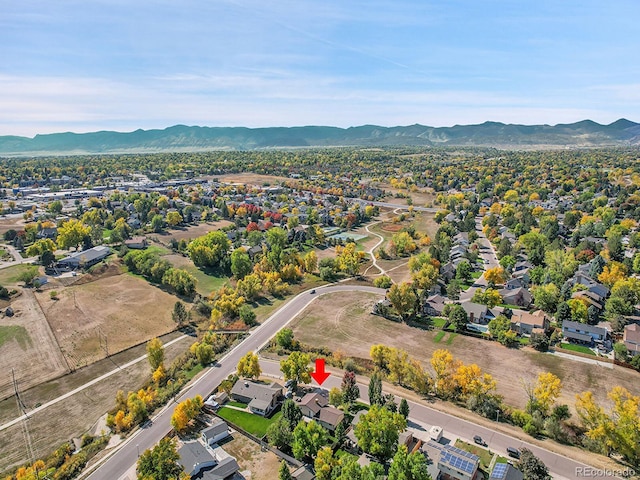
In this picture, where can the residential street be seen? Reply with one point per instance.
(560, 466)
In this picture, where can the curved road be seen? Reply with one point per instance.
(117, 464)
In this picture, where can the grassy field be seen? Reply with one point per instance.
(14, 332)
(577, 348)
(485, 455)
(9, 276)
(254, 424)
(206, 283)
(342, 322)
(439, 336)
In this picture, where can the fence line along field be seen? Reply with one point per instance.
(108, 314)
(343, 321)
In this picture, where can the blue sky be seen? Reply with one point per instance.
(91, 65)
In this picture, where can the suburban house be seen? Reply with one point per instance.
(434, 305)
(316, 407)
(138, 242)
(577, 332)
(631, 338)
(520, 296)
(303, 473)
(311, 404)
(261, 398)
(84, 259)
(476, 312)
(504, 471)
(524, 322)
(452, 463)
(51, 233)
(216, 432)
(589, 297)
(203, 463)
(330, 418)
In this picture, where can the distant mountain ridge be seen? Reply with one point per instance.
(586, 133)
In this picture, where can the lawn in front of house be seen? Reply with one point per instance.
(254, 424)
(485, 455)
(577, 348)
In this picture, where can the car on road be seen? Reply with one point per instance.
(478, 439)
(312, 291)
(513, 452)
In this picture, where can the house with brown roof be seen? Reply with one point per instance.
(311, 404)
(631, 338)
(315, 406)
(524, 322)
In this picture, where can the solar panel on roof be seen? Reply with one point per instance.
(499, 470)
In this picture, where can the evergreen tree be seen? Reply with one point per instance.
(375, 390)
(284, 473)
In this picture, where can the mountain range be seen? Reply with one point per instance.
(586, 133)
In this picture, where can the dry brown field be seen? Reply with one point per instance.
(252, 179)
(190, 232)
(80, 412)
(255, 464)
(342, 321)
(32, 352)
(123, 309)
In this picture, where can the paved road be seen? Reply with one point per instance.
(117, 464)
(489, 258)
(560, 466)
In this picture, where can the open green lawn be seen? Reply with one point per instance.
(451, 337)
(254, 424)
(438, 322)
(502, 459)
(237, 404)
(577, 348)
(17, 332)
(484, 454)
(193, 372)
(439, 336)
(206, 283)
(10, 275)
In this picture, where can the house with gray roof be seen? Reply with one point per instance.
(219, 430)
(261, 398)
(577, 332)
(202, 463)
(84, 259)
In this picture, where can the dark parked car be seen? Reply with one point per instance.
(312, 291)
(513, 452)
(478, 439)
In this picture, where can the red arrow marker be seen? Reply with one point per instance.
(320, 375)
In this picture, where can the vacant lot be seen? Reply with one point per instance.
(77, 414)
(342, 321)
(255, 464)
(252, 179)
(190, 232)
(27, 346)
(11, 223)
(108, 314)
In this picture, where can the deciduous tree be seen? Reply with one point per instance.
(155, 353)
(249, 366)
(297, 368)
